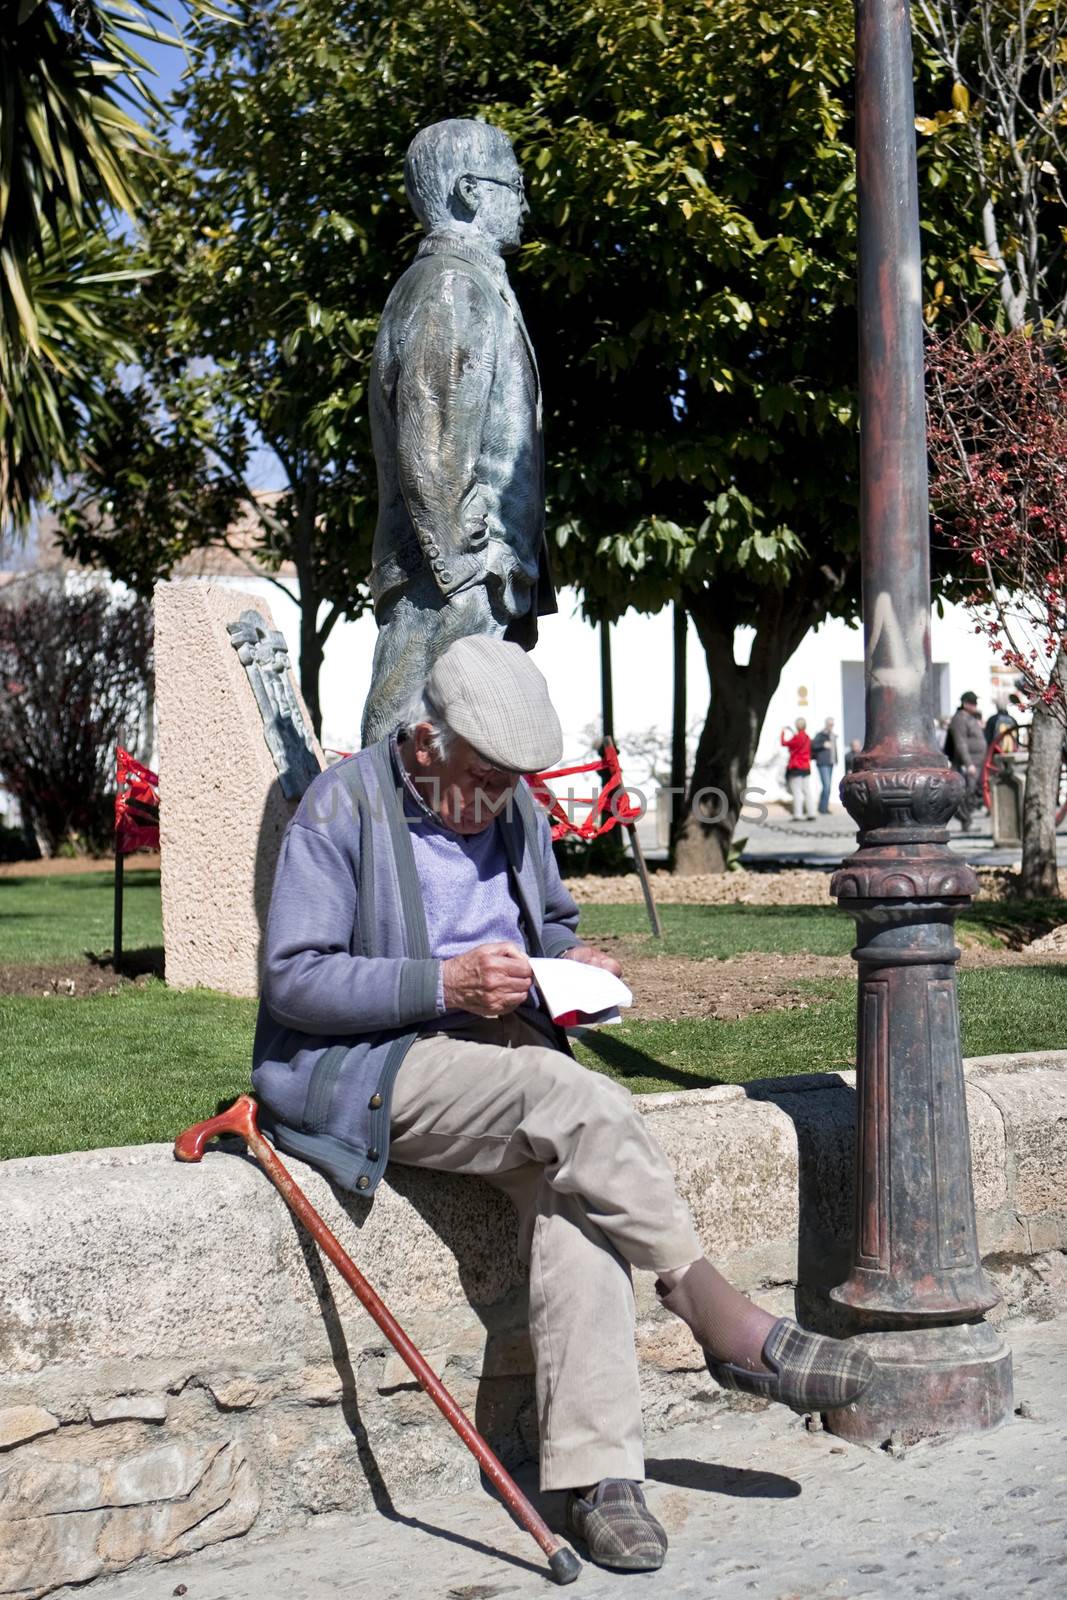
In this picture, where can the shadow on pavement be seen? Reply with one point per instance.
(711, 1478)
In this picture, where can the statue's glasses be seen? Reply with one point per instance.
(517, 184)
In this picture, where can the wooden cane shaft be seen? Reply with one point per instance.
(241, 1120)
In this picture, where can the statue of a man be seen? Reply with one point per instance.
(455, 407)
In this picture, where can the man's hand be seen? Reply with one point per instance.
(489, 981)
(593, 958)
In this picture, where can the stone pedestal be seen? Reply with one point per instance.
(222, 810)
(1007, 789)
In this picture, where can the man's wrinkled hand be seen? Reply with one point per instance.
(594, 958)
(489, 981)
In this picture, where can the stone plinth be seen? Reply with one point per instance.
(222, 811)
(178, 1367)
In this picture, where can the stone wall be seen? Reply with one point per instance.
(177, 1367)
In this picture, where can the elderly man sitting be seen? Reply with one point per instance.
(398, 1020)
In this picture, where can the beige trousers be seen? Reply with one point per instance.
(595, 1196)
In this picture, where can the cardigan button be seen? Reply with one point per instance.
(375, 1102)
(363, 1183)
(373, 1154)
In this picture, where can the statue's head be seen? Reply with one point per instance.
(464, 173)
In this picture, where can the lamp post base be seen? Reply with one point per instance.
(931, 1382)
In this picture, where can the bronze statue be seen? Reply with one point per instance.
(455, 405)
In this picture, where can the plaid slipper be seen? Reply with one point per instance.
(618, 1528)
(808, 1371)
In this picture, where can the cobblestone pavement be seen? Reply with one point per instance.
(755, 1505)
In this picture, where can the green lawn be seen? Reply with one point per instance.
(718, 931)
(141, 1065)
(128, 1068)
(1001, 1009)
(46, 919)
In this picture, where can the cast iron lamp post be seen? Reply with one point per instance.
(917, 1292)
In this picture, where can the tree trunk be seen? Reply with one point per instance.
(311, 657)
(739, 700)
(678, 722)
(312, 642)
(1039, 877)
(607, 692)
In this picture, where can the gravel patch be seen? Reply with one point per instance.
(800, 886)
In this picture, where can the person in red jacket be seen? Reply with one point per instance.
(798, 770)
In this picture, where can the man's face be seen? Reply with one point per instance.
(498, 197)
(466, 791)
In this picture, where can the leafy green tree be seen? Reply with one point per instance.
(692, 297)
(253, 333)
(72, 153)
(688, 283)
(688, 287)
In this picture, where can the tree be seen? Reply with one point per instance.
(75, 680)
(688, 285)
(693, 297)
(998, 144)
(251, 333)
(998, 447)
(70, 155)
(1006, 72)
(689, 292)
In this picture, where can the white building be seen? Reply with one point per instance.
(824, 677)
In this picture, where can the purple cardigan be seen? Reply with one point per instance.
(349, 979)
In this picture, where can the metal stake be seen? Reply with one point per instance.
(917, 1291)
(116, 934)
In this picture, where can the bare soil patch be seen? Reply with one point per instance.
(742, 986)
(73, 979)
(800, 886)
(67, 866)
(726, 990)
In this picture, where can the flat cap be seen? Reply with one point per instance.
(492, 695)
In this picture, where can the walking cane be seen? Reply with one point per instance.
(240, 1119)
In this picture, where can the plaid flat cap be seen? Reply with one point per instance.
(492, 695)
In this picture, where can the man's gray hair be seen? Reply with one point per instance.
(443, 152)
(422, 709)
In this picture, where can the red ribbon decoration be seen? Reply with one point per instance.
(136, 805)
(611, 806)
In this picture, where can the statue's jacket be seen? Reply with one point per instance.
(348, 977)
(455, 407)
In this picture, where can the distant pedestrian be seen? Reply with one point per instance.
(855, 746)
(1000, 722)
(798, 770)
(965, 748)
(824, 752)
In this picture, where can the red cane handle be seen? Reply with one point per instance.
(240, 1118)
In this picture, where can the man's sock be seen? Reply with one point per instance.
(726, 1323)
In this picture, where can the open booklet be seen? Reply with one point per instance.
(577, 994)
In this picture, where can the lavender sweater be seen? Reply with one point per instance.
(350, 975)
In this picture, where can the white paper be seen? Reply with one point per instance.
(577, 994)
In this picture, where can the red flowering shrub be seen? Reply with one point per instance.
(997, 426)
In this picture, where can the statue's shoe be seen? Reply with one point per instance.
(808, 1371)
